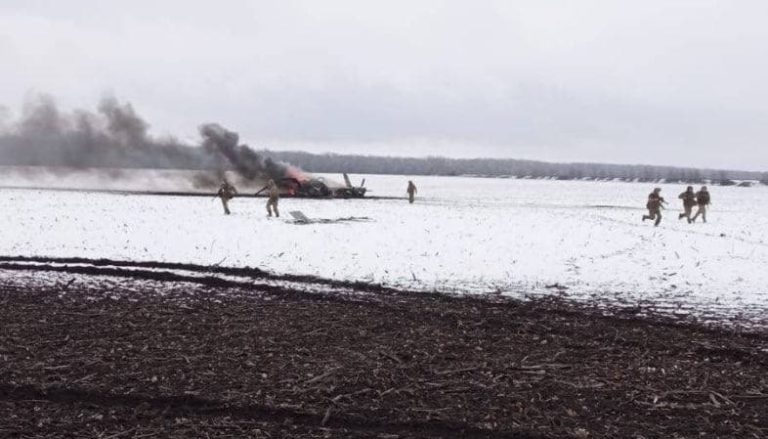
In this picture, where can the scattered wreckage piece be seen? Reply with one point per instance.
(300, 218)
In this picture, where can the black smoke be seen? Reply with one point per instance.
(115, 136)
(248, 163)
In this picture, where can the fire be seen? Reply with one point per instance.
(297, 174)
(294, 177)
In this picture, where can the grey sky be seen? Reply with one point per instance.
(655, 81)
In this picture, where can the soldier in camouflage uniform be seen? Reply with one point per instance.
(411, 191)
(226, 192)
(654, 205)
(274, 195)
(702, 200)
(689, 200)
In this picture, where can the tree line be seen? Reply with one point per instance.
(362, 164)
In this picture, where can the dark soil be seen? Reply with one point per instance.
(122, 353)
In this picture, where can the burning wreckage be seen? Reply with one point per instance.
(319, 187)
(111, 149)
(291, 180)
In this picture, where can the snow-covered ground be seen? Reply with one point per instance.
(515, 237)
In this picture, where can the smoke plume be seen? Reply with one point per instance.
(115, 136)
(248, 163)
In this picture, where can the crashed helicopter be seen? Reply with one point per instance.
(319, 187)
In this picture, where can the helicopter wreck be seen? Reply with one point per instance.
(319, 187)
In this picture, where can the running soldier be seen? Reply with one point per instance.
(226, 192)
(654, 206)
(689, 200)
(702, 200)
(411, 191)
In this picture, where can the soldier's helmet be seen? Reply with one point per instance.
(690, 188)
(658, 189)
(704, 188)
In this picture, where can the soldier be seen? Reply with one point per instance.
(702, 200)
(411, 191)
(654, 205)
(274, 195)
(689, 200)
(226, 192)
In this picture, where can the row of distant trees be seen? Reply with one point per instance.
(79, 150)
(360, 164)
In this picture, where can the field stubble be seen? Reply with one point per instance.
(135, 355)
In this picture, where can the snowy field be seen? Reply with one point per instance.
(582, 240)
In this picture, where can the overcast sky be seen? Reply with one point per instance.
(668, 82)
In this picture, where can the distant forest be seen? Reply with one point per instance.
(360, 164)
